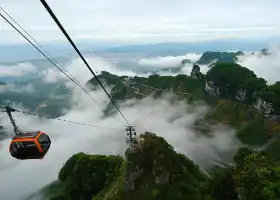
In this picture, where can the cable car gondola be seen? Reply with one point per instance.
(27, 145)
(30, 145)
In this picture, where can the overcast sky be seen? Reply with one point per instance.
(145, 20)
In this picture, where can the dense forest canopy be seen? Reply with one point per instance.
(164, 174)
(229, 77)
(216, 57)
(255, 176)
(232, 78)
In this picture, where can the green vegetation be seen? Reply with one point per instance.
(229, 77)
(139, 87)
(252, 86)
(232, 78)
(102, 177)
(225, 57)
(85, 176)
(165, 175)
(257, 177)
(271, 94)
(252, 127)
(179, 177)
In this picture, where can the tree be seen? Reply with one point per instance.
(271, 94)
(241, 154)
(252, 87)
(223, 186)
(84, 176)
(258, 178)
(228, 77)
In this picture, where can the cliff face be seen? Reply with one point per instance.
(211, 88)
(195, 73)
(155, 171)
(264, 106)
(237, 82)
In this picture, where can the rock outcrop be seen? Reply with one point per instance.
(241, 94)
(264, 106)
(195, 73)
(211, 88)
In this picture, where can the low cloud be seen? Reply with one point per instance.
(193, 56)
(187, 68)
(77, 69)
(17, 70)
(174, 120)
(51, 75)
(265, 66)
(29, 88)
(168, 61)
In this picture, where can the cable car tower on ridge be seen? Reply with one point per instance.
(131, 136)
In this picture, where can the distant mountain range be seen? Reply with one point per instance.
(24, 52)
(175, 49)
(10, 53)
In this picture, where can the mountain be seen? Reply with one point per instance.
(58, 49)
(237, 96)
(152, 170)
(176, 49)
(209, 57)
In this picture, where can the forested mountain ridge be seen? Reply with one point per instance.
(163, 174)
(237, 98)
(212, 57)
(217, 57)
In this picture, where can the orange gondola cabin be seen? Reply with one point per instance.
(32, 145)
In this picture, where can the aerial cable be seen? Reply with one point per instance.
(41, 52)
(68, 121)
(43, 116)
(72, 79)
(39, 45)
(79, 53)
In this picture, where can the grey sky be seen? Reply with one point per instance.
(134, 20)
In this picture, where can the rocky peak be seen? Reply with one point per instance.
(211, 88)
(196, 72)
(241, 94)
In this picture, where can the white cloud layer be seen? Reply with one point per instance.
(162, 62)
(266, 67)
(168, 118)
(168, 61)
(152, 20)
(29, 88)
(17, 70)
